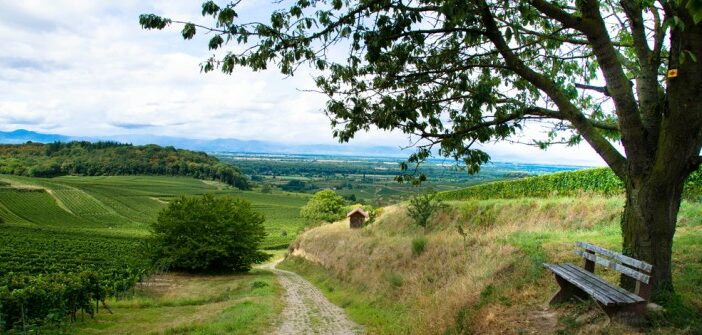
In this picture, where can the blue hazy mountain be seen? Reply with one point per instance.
(22, 136)
(215, 145)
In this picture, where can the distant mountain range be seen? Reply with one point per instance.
(217, 145)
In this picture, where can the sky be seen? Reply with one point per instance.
(86, 68)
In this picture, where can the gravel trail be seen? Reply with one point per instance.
(307, 310)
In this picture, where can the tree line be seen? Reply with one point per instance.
(112, 158)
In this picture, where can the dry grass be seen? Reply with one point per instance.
(491, 282)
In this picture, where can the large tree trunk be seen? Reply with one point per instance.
(648, 226)
(654, 186)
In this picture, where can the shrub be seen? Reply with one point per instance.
(395, 279)
(418, 245)
(266, 188)
(324, 205)
(208, 234)
(421, 207)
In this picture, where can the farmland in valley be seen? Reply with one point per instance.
(65, 222)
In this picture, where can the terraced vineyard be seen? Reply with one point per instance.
(72, 234)
(67, 223)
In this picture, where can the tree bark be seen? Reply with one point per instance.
(654, 188)
(648, 227)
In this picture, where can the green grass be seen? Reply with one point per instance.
(125, 205)
(185, 304)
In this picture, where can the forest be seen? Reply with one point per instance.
(112, 158)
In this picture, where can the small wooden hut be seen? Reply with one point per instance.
(357, 217)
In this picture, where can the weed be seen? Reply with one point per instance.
(395, 279)
(258, 284)
(418, 245)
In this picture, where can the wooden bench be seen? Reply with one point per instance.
(582, 283)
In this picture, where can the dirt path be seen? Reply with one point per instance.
(307, 311)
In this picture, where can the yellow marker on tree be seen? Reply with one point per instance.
(672, 73)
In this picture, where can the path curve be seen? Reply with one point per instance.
(307, 310)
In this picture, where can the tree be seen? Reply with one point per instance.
(421, 207)
(324, 205)
(266, 188)
(208, 233)
(460, 73)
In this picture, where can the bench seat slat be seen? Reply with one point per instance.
(622, 258)
(596, 287)
(614, 266)
(602, 287)
(617, 293)
(578, 281)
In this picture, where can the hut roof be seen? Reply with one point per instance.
(359, 211)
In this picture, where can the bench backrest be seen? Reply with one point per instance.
(634, 268)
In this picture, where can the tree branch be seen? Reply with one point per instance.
(619, 87)
(613, 158)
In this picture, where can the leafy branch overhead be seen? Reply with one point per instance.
(452, 73)
(457, 74)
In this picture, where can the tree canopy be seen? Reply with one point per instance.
(455, 74)
(324, 205)
(111, 158)
(208, 233)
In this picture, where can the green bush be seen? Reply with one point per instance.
(208, 234)
(324, 205)
(266, 188)
(422, 206)
(418, 245)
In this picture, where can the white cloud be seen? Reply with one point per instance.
(86, 68)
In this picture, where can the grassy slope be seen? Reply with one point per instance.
(182, 304)
(491, 282)
(125, 205)
(72, 221)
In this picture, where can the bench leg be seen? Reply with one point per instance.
(566, 292)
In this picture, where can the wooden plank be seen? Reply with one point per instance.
(622, 258)
(602, 287)
(614, 292)
(609, 289)
(573, 279)
(615, 266)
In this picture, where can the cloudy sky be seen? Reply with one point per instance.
(86, 68)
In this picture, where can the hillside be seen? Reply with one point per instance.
(111, 159)
(600, 181)
(491, 279)
(73, 233)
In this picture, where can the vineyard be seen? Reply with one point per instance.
(596, 181)
(68, 243)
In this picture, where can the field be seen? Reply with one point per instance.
(371, 179)
(600, 181)
(184, 304)
(77, 241)
(121, 207)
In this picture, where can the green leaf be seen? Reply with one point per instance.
(216, 42)
(152, 21)
(226, 16)
(188, 31)
(695, 8)
(209, 8)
